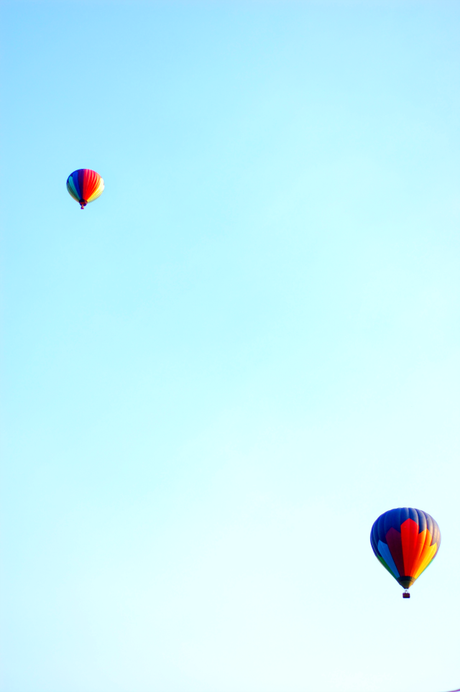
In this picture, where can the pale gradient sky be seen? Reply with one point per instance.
(218, 375)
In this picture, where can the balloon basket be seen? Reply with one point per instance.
(406, 594)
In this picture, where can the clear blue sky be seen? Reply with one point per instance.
(221, 372)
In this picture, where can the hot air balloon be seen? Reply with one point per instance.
(85, 186)
(405, 540)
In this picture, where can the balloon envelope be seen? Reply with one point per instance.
(85, 185)
(405, 540)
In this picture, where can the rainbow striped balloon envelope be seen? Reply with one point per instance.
(405, 540)
(85, 186)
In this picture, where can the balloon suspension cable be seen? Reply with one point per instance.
(406, 594)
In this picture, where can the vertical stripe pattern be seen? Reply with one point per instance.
(405, 540)
(85, 185)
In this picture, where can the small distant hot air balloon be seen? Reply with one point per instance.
(85, 186)
(405, 540)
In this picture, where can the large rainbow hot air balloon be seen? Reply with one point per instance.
(85, 186)
(405, 540)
